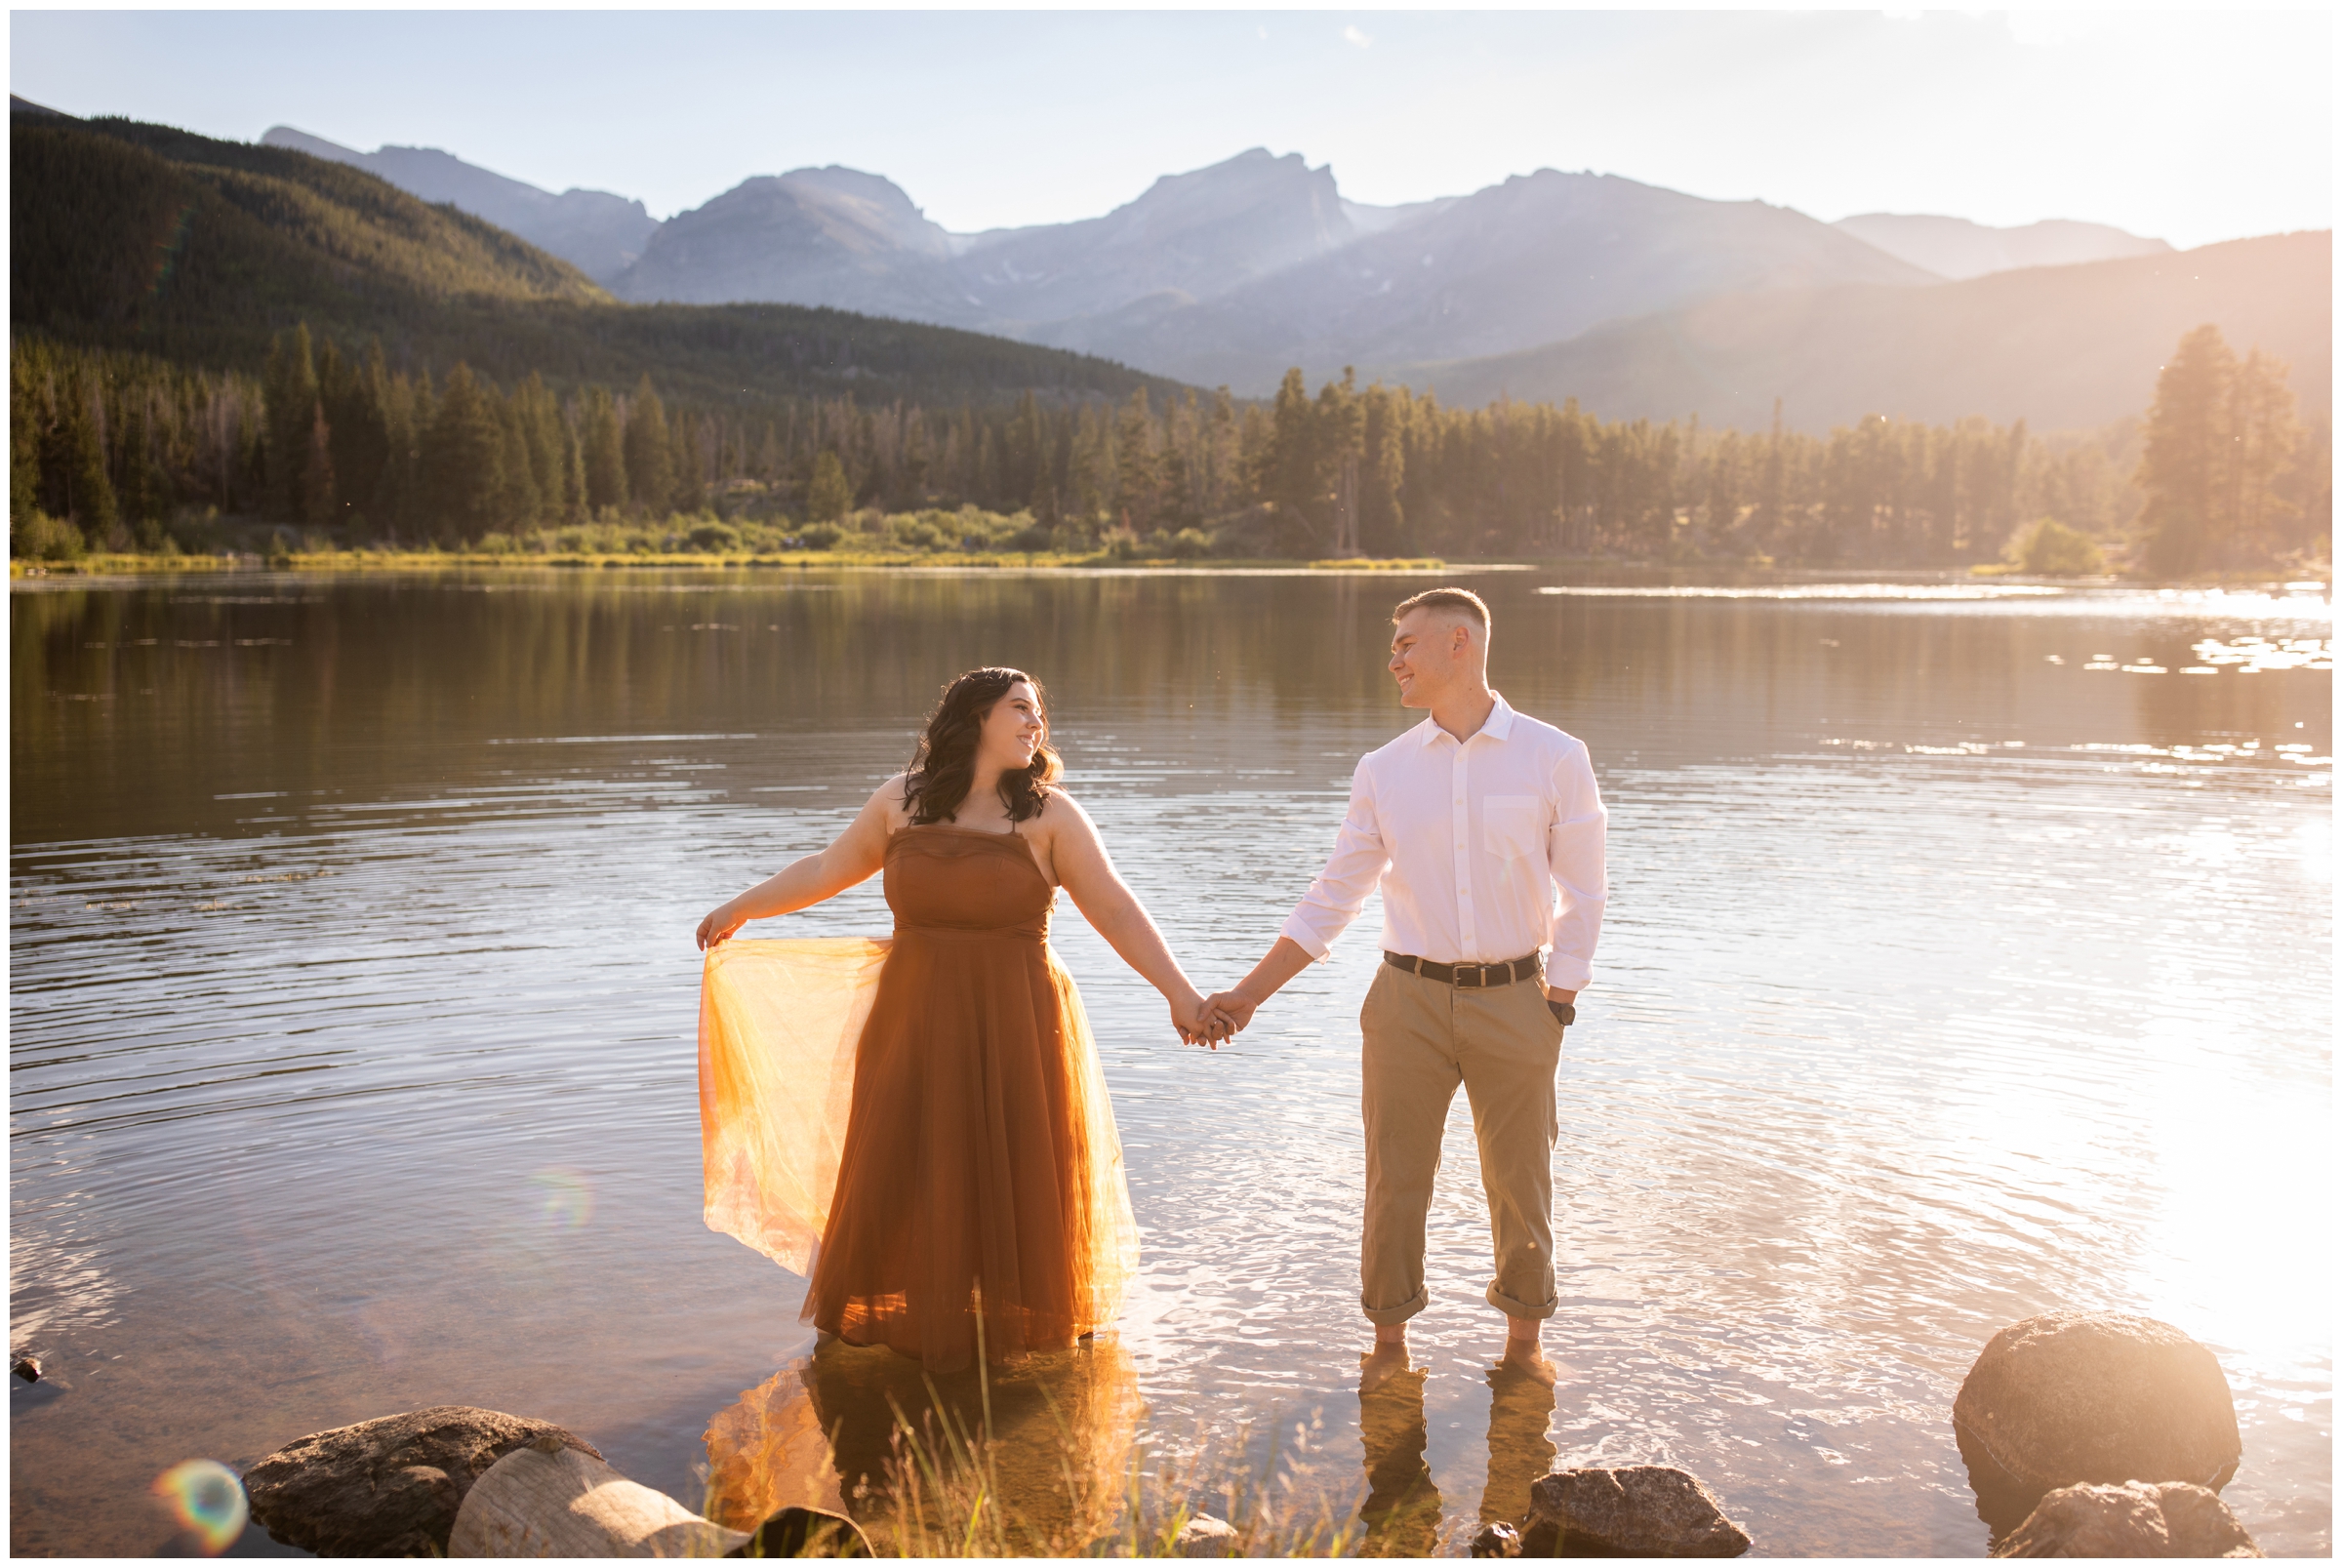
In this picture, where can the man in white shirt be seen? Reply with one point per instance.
(1484, 831)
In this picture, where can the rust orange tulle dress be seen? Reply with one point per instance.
(921, 1125)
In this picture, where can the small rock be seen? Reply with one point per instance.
(26, 1367)
(2072, 1397)
(1205, 1537)
(2137, 1519)
(390, 1487)
(1643, 1511)
(1499, 1540)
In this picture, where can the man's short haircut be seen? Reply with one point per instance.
(1463, 601)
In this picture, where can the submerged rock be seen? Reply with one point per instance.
(2073, 1397)
(1205, 1537)
(389, 1487)
(1499, 1540)
(2137, 1519)
(1643, 1511)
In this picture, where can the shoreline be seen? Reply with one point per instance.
(95, 568)
(371, 562)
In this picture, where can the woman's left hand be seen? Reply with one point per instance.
(720, 923)
(1192, 1019)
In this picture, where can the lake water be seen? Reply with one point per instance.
(1967, 958)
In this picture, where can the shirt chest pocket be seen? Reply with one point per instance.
(1513, 826)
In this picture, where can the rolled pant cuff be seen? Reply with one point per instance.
(1385, 1316)
(1515, 1309)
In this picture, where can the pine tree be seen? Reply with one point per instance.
(319, 501)
(463, 459)
(829, 498)
(354, 396)
(542, 435)
(2262, 436)
(690, 492)
(141, 491)
(25, 417)
(1288, 475)
(1382, 516)
(2188, 434)
(605, 457)
(398, 493)
(1139, 478)
(290, 386)
(573, 470)
(519, 499)
(88, 495)
(650, 463)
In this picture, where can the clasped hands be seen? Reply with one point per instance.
(1216, 1018)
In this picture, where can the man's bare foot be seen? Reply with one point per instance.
(1384, 1361)
(1526, 1358)
(1524, 1348)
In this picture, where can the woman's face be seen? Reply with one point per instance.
(1014, 729)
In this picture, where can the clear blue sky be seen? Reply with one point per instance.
(2194, 127)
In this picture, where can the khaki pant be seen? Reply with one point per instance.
(1423, 1038)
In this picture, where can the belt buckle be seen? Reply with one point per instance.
(1479, 973)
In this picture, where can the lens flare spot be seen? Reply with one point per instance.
(208, 1500)
(564, 1198)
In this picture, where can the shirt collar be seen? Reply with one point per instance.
(1496, 727)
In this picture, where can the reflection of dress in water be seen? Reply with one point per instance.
(913, 1122)
(821, 1434)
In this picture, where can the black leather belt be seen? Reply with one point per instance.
(1467, 974)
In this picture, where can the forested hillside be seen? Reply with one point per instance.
(199, 252)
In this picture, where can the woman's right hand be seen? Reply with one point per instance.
(720, 925)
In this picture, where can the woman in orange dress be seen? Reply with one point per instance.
(978, 1195)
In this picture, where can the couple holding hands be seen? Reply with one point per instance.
(920, 1126)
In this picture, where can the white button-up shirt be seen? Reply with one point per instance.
(1485, 849)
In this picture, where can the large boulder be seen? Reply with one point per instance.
(389, 1487)
(1640, 1511)
(2073, 1397)
(2136, 1519)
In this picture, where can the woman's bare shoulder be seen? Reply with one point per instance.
(1060, 810)
(887, 800)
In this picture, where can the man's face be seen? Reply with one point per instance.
(1430, 649)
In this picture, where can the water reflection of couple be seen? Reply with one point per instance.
(921, 1126)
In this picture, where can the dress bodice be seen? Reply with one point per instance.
(943, 878)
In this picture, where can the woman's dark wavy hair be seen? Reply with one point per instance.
(943, 767)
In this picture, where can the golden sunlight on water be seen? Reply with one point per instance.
(1946, 980)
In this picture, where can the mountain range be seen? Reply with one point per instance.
(1634, 299)
(1232, 273)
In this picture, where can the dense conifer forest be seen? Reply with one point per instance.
(210, 335)
(132, 452)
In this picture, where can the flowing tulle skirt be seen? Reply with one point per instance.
(921, 1127)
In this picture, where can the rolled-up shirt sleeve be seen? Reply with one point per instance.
(1351, 872)
(1574, 848)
